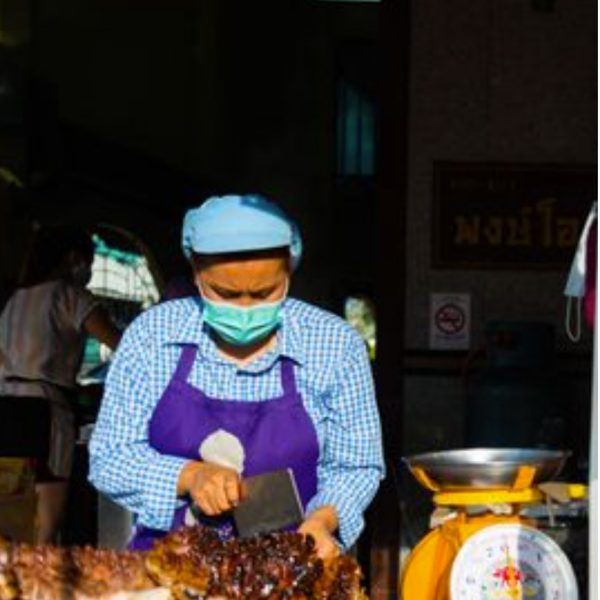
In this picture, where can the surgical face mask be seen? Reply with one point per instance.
(243, 325)
(575, 286)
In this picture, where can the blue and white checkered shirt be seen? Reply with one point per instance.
(333, 376)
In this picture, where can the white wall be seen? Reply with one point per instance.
(494, 80)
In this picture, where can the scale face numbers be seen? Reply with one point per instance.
(511, 562)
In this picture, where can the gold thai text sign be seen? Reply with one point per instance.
(509, 216)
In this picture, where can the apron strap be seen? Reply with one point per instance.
(186, 360)
(288, 377)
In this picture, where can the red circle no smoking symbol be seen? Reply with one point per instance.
(450, 319)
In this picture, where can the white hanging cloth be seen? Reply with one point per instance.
(575, 286)
(593, 478)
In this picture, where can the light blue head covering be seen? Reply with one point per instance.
(224, 224)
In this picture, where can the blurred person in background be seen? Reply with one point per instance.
(43, 328)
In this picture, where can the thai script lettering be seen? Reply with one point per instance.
(538, 224)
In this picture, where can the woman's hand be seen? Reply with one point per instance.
(321, 524)
(212, 488)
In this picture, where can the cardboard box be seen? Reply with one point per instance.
(18, 500)
(17, 517)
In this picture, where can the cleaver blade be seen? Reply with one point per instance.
(271, 503)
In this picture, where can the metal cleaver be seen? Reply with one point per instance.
(271, 502)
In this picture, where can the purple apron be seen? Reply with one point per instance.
(261, 436)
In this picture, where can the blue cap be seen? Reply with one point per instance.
(224, 224)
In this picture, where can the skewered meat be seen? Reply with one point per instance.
(189, 564)
(194, 563)
(51, 573)
(8, 584)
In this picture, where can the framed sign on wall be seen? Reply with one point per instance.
(509, 216)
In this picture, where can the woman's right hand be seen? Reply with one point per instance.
(214, 489)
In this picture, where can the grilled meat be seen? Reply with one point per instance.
(51, 573)
(195, 564)
(189, 564)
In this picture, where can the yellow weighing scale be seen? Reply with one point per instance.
(483, 547)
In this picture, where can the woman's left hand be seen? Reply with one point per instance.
(320, 525)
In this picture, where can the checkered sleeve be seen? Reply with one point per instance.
(351, 464)
(122, 464)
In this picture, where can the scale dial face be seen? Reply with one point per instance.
(511, 562)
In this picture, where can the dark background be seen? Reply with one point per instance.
(126, 112)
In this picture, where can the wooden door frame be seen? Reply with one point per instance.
(390, 277)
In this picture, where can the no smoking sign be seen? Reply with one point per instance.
(450, 321)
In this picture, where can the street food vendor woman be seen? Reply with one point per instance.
(238, 381)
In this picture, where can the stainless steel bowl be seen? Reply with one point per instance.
(484, 468)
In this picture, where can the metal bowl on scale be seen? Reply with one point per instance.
(486, 468)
